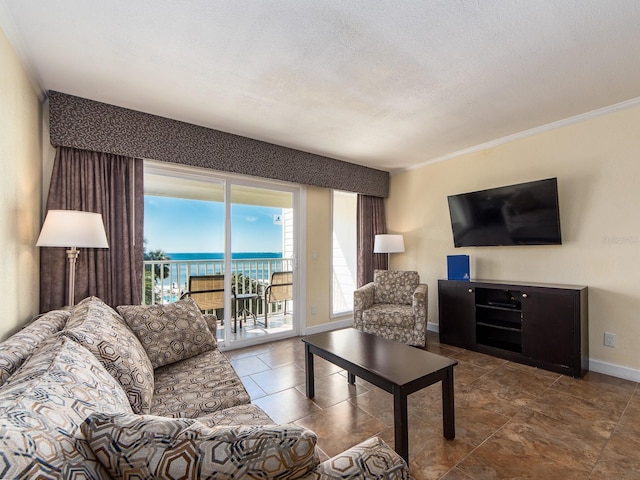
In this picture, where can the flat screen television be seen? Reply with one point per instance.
(522, 214)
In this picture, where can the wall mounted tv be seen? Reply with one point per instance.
(522, 214)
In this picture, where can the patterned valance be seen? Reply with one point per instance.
(81, 123)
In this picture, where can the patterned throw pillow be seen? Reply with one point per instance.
(169, 333)
(99, 328)
(15, 349)
(43, 406)
(146, 447)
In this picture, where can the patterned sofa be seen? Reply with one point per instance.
(143, 393)
(393, 306)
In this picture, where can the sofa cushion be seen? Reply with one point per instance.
(169, 333)
(148, 447)
(197, 386)
(19, 346)
(99, 328)
(248, 414)
(395, 286)
(43, 406)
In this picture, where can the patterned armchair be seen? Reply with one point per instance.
(393, 306)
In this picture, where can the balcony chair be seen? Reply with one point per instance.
(208, 293)
(393, 306)
(280, 289)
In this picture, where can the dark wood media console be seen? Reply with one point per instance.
(541, 325)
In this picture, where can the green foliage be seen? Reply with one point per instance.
(160, 272)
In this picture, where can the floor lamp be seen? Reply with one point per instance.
(387, 243)
(72, 229)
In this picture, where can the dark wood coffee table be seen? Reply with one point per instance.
(392, 366)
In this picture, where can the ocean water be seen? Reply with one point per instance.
(219, 255)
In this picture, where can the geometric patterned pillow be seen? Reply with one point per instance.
(43, 406)
(146, 446)
(15, 349)
(169, 333)
(99, 328)
(370, 459)
(395, 286)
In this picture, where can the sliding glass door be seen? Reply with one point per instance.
(229, 243)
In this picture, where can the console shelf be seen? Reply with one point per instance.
(542, 325)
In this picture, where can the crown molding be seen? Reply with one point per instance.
(616, 107)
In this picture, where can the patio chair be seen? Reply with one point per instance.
(280, 289)
(208, 293)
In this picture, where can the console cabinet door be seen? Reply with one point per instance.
(456, 302)
(549, 326)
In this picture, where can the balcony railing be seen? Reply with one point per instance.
(164, 281)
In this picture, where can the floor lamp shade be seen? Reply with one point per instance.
(387, 243)
(72, 229)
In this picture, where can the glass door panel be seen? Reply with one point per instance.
(184, 232)
(262, 247)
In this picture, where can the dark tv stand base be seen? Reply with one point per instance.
(542, 325)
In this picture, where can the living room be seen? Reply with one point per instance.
(593, 154)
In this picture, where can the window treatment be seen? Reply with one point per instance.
(111, 185)
(371, 221)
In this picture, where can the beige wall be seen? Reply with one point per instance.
(598, 168)
(318, 242)
(20, 187)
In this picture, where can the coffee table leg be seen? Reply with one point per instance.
(448, 407)
(351, 378)
(400, 423)
(308, 368)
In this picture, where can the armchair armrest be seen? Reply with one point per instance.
(362, 299)
(370, 459)
(419, 301)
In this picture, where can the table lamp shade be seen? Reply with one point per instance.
(71, 228)
(387, 243)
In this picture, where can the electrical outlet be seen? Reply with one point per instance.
(314, 310)
(609, 339)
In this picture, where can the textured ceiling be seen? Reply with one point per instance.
(388, 84)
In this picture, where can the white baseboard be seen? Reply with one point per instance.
(614, 370)
(325, 327)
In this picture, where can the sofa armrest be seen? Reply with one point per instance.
(370, 459)
(362, 299)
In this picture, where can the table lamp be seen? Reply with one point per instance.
(388, 243)
(72, 229)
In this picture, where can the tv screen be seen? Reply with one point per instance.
(522, 214)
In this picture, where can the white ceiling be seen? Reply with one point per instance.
(386, 83)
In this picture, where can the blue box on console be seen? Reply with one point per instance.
(458, 267)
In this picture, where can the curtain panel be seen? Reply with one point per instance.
(111, 185)
(371, 221)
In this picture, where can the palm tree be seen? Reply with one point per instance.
(158, 272)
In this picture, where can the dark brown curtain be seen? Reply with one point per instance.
(371, 221)
(111, 185)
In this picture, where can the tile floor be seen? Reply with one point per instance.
(512, 421)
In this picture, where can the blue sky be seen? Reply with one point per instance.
(185, 226)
